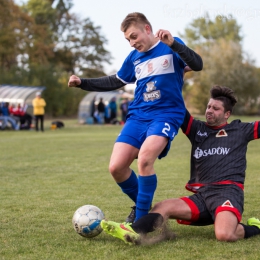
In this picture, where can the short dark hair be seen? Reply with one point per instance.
(224, 94)
(134, 18)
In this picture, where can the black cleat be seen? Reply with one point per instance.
(131, 217)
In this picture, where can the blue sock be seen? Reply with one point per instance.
(130, 187)
(147, 186)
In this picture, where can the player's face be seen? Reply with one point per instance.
(139, 37)
(215, 115)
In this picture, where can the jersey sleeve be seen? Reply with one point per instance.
(257, 130)
(181, 62)
(127, 72)
(187, 55)
(251, 131)
(190, 125)
(186, 125)
(101, 84)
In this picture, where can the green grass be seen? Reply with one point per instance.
(45, 177)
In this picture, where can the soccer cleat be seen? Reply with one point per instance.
(132, 215)
(253, 222)
(122, 231)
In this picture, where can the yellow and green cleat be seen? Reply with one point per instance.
(122, 231)
(253, 222)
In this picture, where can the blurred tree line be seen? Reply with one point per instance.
(219, 42)
(42, 43)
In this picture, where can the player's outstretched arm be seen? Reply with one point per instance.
(101, 84)
(190, 57)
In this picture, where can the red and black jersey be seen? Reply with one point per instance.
(218, 155)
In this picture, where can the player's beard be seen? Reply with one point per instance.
(213, 120)
(210, 119)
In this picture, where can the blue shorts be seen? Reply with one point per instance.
(136, 131)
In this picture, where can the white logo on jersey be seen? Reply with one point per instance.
(151, 93)
(151, 96)
(150, 86)
(221, 133)
(227, 203)
(202, 134)
(218, 151)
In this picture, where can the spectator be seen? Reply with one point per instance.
(38, 110)
(93, 110)
(113, 109)
(107, 114)
(25, 118)
(11, 109)
(101, 110)
(12, 113)
(124, 109)
(7, 118)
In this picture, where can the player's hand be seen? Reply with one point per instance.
(165, 36)
(74, 81)
(187, 69)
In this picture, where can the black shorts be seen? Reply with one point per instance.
(212, 199)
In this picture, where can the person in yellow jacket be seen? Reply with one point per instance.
(38, 110)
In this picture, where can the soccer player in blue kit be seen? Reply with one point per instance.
(157, 65)
(217, 176)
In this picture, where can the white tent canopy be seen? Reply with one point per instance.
(19, 95)
(85, 106)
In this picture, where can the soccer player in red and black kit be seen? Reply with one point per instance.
(218, 165)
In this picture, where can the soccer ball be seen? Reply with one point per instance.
(86, 221)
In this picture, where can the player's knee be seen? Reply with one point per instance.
(113, 168)
(143, 163)
(223, 235)
(117, 171)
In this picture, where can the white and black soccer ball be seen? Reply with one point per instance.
(86, 221)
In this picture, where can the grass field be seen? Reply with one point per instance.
(45, 177)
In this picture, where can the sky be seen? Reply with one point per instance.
(172, 15)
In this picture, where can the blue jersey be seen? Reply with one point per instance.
(158, 74)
